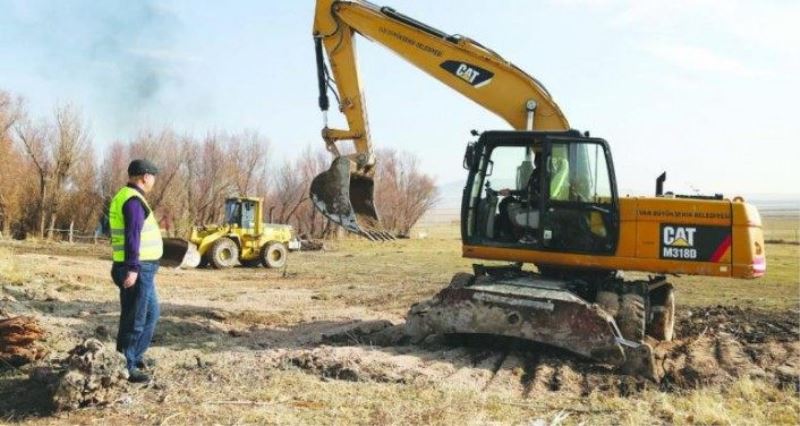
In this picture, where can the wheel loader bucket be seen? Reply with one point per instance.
(347, 199)
(531, 310)
(180, 253)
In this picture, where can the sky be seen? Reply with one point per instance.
(706, 90)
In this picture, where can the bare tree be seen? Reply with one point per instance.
(289, 197)
(82, 202)
(35, 139)
(196, 175)
(402, 192)
(68, 149)
(13, 171)
(247, 159)
(113, 170)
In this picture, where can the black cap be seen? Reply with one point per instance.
(141, 167)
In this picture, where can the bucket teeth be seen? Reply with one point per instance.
(347, 199)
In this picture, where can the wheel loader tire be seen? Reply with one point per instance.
(631, 317)
(273, 255)
(224, 253)
(662, 313)
(609, 301)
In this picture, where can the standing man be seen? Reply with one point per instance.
(137, 247)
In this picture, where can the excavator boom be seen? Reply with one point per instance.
(345, 193)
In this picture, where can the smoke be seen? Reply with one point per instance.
(118, 55)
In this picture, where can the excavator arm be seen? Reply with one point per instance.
(344, 193)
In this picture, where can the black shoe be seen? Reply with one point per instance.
(138, 376)
(147, 364)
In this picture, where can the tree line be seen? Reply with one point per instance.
(51, 176)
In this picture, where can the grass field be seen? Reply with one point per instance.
(244, 345)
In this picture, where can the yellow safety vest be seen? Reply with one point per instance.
(151, 247)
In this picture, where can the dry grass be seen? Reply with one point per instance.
(10, 270)
(217, 327)
(782, 228)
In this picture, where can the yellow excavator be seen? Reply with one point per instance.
(542, 193)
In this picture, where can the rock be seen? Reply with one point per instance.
(218, 315)
(236, 333)
(102, 333)
(53, 296)
(311, 245)
(96, 375)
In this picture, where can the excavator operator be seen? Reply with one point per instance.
(519, 210)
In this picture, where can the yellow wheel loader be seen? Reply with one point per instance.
(241, 239)
(542, 193)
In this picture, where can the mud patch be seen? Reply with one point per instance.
(717, 346)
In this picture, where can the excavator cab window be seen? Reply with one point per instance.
(544, 193)
(580, 212)
(505, 194)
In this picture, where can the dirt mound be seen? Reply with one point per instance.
(716, 346)
(721, 343)
(95, 375)
(749, 325)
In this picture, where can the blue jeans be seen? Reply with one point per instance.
(139, 311)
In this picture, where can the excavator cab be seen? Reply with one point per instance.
(552, 193)
(549, 191)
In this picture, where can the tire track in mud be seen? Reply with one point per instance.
(714, 348)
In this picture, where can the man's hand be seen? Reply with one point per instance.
(130, 280)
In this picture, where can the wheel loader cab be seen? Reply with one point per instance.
(541, 191)
(241, 212)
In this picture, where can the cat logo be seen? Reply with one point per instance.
(472, 74)
(678, 242)
(467, 73)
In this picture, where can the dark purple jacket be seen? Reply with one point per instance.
(133, 212)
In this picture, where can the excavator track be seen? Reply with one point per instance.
(524, 305)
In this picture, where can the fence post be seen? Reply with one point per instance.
(71, 230)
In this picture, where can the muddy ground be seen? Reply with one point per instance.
(318, 342)
(717, 345)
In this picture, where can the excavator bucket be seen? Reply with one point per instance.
(533, 309)
(180, 253)
(348, 200)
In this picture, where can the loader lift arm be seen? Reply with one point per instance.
(345, 193)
